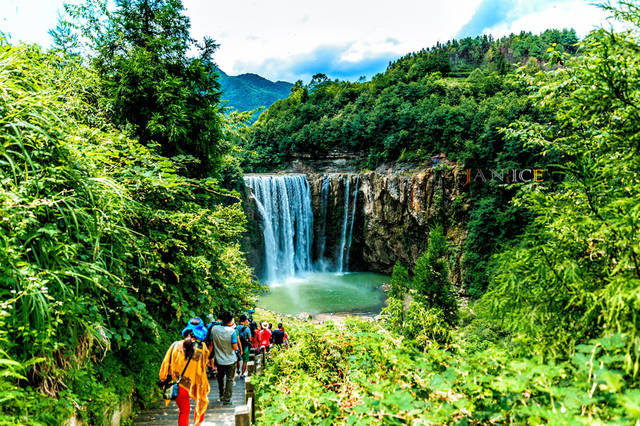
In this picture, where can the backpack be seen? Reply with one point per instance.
(278, 336)
(242, 333)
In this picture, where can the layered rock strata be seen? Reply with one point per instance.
(391, 221)
(394, 214)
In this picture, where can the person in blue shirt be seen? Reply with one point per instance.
(244, 333)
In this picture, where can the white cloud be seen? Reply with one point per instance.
(286, 28)
(28, 20)
(333, 60)
(277, 37)
(579, 15)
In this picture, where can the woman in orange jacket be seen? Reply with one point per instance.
(194, 383)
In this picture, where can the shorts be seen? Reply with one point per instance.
(245, 356)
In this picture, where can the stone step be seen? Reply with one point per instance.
(216, 414)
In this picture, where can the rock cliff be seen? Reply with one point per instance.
(394, 214)
(252, 242)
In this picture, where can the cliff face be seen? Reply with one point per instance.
(394, 213)
(252, 242)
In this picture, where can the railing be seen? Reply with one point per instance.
(246, 414)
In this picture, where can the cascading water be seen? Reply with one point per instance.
(284, 202)
(353, 217)
(342, 250)
(343, 240)
(324, 199)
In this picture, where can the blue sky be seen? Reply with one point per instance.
(294, 39)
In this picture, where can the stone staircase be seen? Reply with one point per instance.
(241, 411)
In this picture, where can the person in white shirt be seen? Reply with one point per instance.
(225, 344)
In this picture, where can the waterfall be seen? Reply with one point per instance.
(284, 202)
(353, 217)
(343, 239)
(324, 199)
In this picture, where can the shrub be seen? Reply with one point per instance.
(431, 277)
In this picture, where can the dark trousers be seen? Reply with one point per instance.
(226, 374)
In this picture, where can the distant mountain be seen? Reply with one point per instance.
(249, 91)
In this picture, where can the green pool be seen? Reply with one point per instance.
(322, 292)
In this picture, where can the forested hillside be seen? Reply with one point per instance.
(450, 98)
(246, 92)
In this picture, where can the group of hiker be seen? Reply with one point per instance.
(220, 348)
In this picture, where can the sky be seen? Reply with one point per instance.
(293, 39)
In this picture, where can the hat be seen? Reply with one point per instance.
(251, 311)
(265, 325)
(197, 327)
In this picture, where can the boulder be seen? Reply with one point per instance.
(303, 316)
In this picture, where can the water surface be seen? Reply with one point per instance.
(320, 292)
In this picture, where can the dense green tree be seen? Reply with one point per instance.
(431, 277)
(160, 84)
(399, 281)
(575, 273)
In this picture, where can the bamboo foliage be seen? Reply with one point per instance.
(575, 273)
(100, 237)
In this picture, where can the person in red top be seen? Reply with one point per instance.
(264, 337)
(254, 337)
